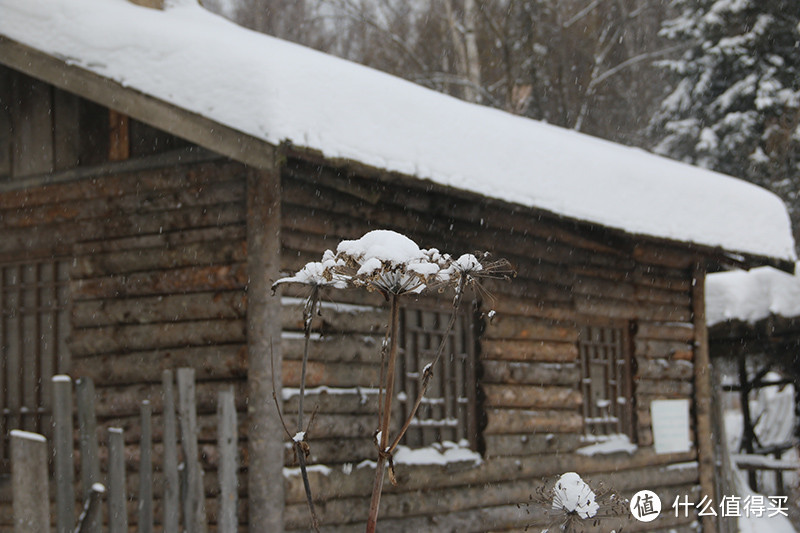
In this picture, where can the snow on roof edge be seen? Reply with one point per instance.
(349, 112)
(751, 296)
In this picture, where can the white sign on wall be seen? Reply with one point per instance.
(670, 425)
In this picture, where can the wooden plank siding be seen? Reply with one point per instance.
(156, 280)
(531, 424)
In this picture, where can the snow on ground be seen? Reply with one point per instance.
(278, 91)
(751, 296)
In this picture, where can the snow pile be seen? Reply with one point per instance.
(277, 91)
(611, 444)
(572, 494)
(391, 263)
(437, 454)
(751, 296)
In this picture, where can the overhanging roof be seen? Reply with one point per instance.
(241, 94)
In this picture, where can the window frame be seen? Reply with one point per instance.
(594, 347)
(459, 381)
(34, 297)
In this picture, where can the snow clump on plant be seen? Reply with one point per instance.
(391, 263)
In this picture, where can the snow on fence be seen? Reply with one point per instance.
(182, 486)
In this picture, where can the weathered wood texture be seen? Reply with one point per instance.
(529, 371)
(156, 279)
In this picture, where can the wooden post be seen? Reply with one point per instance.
(227, 520)
(264, 438)
(64, 465)
(29, 482)
(146, 471)
(87, 443)
(702, 394)
(117, 498)
(194, 512)
(170, 466)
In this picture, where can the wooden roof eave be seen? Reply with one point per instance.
(142, 107)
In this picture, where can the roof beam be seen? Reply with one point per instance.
(142, 107)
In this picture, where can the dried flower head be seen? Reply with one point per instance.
(571, 505)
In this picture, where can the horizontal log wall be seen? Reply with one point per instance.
(157, 281)
(529, 372)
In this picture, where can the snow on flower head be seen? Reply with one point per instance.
(389, 262)
(315, 273)
(387, 246)
(573, 495)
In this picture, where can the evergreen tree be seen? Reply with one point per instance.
(736, 105)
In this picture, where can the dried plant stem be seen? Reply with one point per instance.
(300, 450)
(386, 415)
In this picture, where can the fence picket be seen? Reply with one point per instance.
(118, 513)
(146, 471)
(64, 457)
(87, 442)
(170, 466)
(29, 481)
(194, 514)
(227, 521)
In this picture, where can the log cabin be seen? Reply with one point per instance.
(160, 167)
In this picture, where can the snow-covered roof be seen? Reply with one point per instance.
(277, 91)
(751, 296)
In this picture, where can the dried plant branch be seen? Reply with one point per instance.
(299, 445)
(386, 414)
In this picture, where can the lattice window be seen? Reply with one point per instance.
(448, 411)
(606, 383)
(34, 325)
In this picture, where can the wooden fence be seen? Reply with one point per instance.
(183, 493)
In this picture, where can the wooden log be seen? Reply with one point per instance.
(533, 373)
(230, 233)
(64, 465)
(666, 388)
(170, 485)
(118, 513)
(228, 361)
(143, 260)
(265, 444)
(145, 337)
(703, 392)
(163, 282)
(523, 445)
(87, 441)
(227, 520)
(331, 374)
(539, 421)
(335, 348)
(193, 501)
(530, 350)
(177, 177)
(145, 522)
(155, 309)
(29, 479)
(509, 327)
(664, 349)
(532, 397)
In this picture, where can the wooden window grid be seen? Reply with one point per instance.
(607, 380)
(34, 325)
(449, 409)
